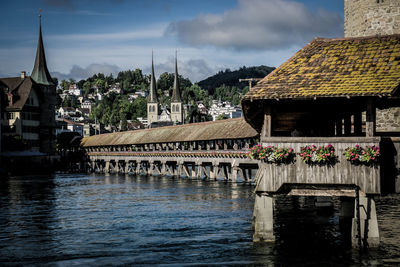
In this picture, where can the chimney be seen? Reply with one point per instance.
(23, 74)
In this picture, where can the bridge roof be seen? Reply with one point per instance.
(203, 131)
(362, 66)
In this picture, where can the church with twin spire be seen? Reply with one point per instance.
(162, 116)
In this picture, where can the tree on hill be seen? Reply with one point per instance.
(231, 78)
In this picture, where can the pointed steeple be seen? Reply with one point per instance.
(152, 98)
(40, 73)
(176, 94)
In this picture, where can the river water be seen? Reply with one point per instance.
(98, 220)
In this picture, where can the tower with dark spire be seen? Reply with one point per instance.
(40, 73)
(152, 100)
(176, 99)
(41, 76)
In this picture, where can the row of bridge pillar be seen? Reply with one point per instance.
(199, 170)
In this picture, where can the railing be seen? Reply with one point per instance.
(176, 153)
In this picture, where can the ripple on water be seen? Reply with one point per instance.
(107, 220)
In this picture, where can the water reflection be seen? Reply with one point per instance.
(111, 220)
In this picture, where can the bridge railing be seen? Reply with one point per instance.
(176, 153)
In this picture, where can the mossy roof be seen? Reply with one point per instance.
(215, 130)
(365, 66)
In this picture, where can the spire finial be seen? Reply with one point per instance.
(176, 94)
(40, 73)
(153, 90)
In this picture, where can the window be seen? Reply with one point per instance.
(177, 108)
(10, 115)
(173, 108)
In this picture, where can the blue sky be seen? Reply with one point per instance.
(83, 37)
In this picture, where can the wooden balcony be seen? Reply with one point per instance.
(275, 177)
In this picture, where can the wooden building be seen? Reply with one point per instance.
(327, 94)
(29, 106)
(326, 86)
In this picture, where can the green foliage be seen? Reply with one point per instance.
(115, 109)
(321, 155)
(68, 102)
(231, 78)
(271, 154)
(369, 155)
(221, 117)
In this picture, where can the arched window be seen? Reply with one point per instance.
(177, 108)
(173, 108)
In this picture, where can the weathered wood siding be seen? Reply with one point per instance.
(341, 173)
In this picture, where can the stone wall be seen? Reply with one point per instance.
(371, 17)
(388, 120)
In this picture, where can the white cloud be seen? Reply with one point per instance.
(79, 73)
(156, 31)
(258, 24)
(194, 69)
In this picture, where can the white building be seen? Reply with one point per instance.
(87, 104)
(70, 126)
(218, 108)
(67, 111)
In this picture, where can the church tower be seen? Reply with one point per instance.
(176, 99)
(152, 100)
(41, 76)
(371, 17)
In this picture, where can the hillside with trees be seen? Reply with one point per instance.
(116, 108)
(231, 78)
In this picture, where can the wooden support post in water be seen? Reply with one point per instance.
(126, 166)
(107, 168)
(199, 171)
(185, 170)
(193, 176)
(138, 166)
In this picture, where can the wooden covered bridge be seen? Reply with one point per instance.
(323, 103)
(210, 150)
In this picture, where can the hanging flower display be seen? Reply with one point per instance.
(272, 154)
(357, 155)
(318, 155)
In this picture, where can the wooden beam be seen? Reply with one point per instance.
(370, 123)
(266, 128)
(358, 123)
(347, 124)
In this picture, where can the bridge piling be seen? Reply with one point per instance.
(107, 167)
(263, 219)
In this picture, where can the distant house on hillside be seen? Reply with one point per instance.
(225, 108)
